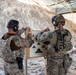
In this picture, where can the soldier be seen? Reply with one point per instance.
(58, 43)
(13, 46)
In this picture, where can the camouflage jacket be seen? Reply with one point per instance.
(8, 54)
(60, 39)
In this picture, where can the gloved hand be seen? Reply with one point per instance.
(28, 29)
(45, 30)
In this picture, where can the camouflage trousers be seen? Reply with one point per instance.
(55, 66)
(12, 69)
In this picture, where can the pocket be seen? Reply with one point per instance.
(67, 61)
(68, 45)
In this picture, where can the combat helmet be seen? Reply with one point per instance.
(58, 19)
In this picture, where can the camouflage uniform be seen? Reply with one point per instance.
(57, 60)
(9, 56)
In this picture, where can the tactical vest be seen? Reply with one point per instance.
(7, 54)
(60, 43)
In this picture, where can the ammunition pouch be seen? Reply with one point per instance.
(61, 36)
(67, 60)
(19, 62)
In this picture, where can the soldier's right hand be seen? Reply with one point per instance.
(28, 29)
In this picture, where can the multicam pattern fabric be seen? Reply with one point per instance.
(55, 59)
(12, 69)
(9, 56)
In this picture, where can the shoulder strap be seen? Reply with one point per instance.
(56, 45)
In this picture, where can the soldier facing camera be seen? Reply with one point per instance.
(58, 61)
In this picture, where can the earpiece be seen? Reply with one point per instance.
(13, 24)
(54, 21)
(15, 28)
(58, 19)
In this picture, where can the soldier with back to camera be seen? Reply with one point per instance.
(59, 42)
(13, 46)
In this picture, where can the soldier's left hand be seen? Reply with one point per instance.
(47, 29)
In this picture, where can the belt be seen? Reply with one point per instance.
(55, 57)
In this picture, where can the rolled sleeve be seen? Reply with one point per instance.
(22, 42)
